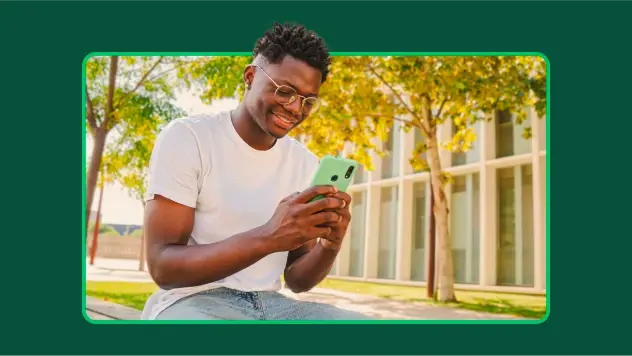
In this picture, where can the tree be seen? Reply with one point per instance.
(364, 97)
(127, 159)
(124, 90)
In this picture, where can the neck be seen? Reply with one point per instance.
(249, 131)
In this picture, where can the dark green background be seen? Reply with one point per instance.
(42, 46)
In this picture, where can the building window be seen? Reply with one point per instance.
(515, 246)
(470, 156)
(388, 233)
(390, 162)
(509, 136)
(542, 133)
(504, 134)
(419, 229)
(361, 175)
(465, 228)
(357, 235)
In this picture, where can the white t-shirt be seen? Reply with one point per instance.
(202, 162)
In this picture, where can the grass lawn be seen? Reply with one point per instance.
(131, 294)
(135, 294)
(528, 306)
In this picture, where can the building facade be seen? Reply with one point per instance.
(497, 215)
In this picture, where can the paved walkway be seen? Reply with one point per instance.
(127, 271)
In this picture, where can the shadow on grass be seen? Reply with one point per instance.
(504, 307)
(496, 306)
(135, 300)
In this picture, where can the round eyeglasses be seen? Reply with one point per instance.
(286, 95)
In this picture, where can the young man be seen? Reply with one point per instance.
(228, 208)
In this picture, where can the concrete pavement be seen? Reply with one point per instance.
(127, 271)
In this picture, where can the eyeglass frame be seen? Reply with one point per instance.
(315, 99)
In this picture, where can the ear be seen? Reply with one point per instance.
(249, 76)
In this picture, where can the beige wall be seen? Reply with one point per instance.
(112, 246)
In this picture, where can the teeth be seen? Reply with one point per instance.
(285, 120)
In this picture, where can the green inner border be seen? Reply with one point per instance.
(461, 322)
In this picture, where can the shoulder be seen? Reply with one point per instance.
(190, 131)
(195, 124)
(300, 154)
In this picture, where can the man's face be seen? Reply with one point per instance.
(267, 103)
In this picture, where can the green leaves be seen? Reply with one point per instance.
(364, 96)
(141, 104)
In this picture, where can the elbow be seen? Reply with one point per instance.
(296, 289)
(297, 286)
(160, 275)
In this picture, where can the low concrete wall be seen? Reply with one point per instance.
(112, 246)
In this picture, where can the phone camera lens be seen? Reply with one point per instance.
(349, 171)
(334, 178)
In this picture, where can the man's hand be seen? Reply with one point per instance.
(333, 240)
(297, 220)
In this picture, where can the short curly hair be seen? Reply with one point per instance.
(296, 41)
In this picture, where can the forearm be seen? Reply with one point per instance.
(310, 269)
(176, 266)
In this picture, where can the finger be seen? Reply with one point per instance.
(323, 204)
(327, 217)
(343, 219)
(316, 232)
(345, 215)
(312, 192)
(344, 197)
(333, 238)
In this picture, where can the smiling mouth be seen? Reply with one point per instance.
(284, 121)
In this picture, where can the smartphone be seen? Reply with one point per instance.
(336, 171)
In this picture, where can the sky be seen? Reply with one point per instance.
(118, 207)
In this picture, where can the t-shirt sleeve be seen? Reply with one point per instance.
(175, 165)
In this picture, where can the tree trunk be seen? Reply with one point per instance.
(93, 171)
(97, 226)
(430, 266)
(444, 257)
(100, 134)
(141, 263)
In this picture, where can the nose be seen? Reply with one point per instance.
(295, 107)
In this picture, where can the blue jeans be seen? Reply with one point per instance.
(229, 304)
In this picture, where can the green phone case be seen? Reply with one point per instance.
(336, 171)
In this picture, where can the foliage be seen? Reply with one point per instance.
(103, 229)
(126, 160)
(132, 95)
(365, 96)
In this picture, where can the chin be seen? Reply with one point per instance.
(275, 130)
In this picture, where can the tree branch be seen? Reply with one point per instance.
(176, 66)
(426, 123)
(401, 100)
(441, 107)
(109, 108)
(90, 113)
(420, 123)
(141, 81)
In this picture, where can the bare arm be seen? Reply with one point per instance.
(308, 265)
(173, 264)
